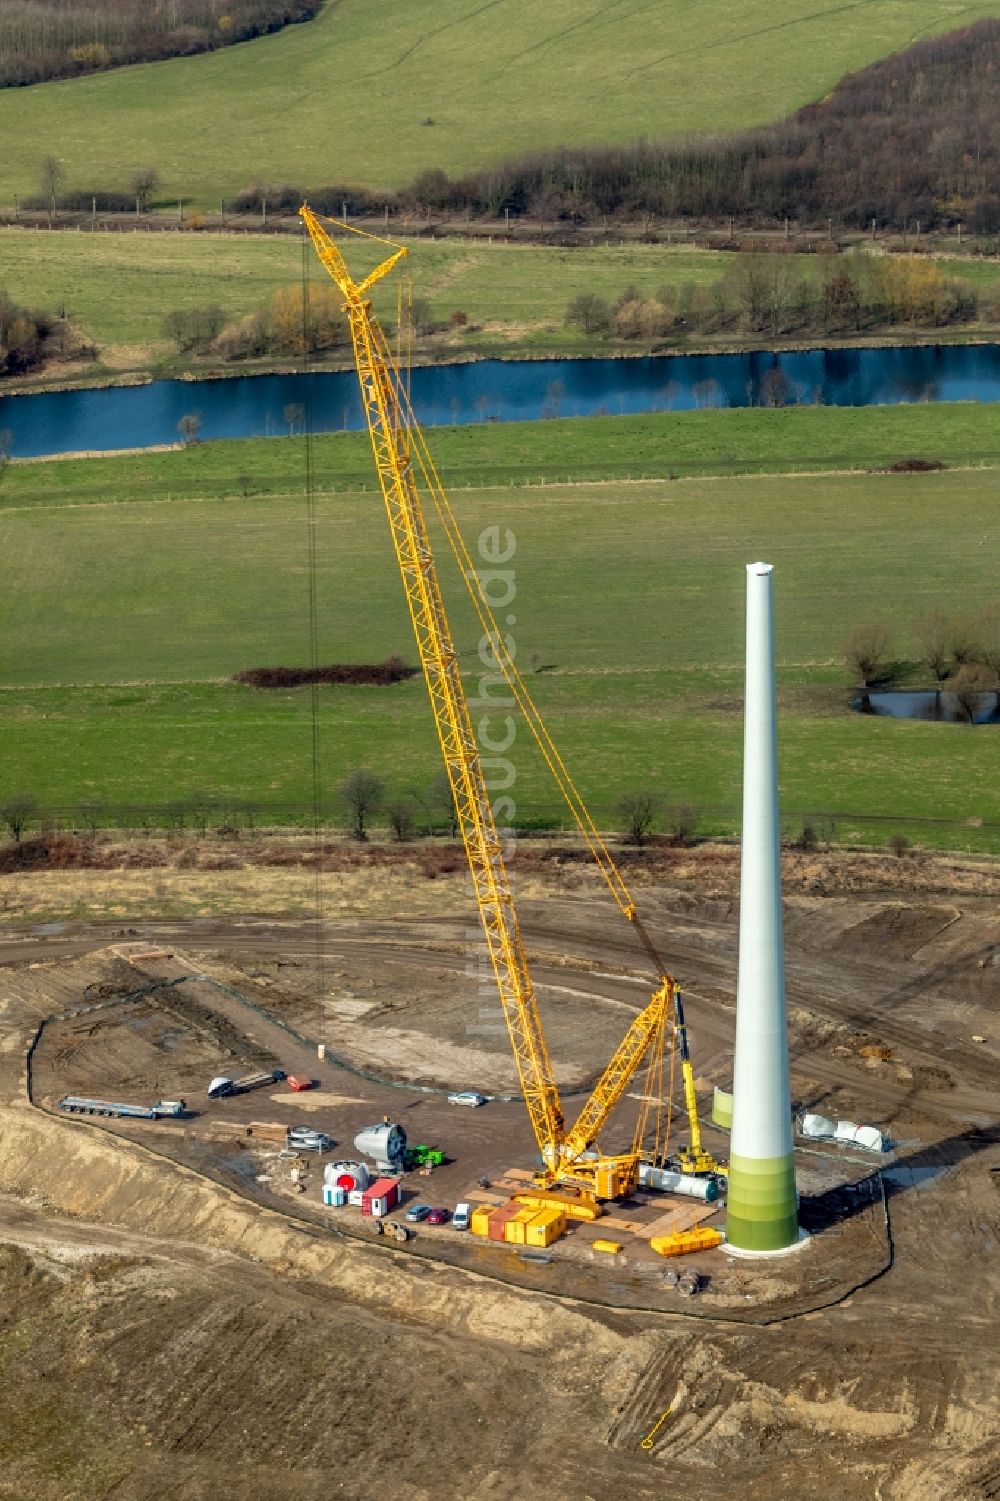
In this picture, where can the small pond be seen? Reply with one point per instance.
(941, 707)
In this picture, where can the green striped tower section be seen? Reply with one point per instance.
(761, 1212)
(761, 1207)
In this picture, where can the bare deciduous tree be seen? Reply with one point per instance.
(52, 177)
(682, 820)
(636, 813)
(293, 414)
(589, 313)
(362, 793)
(143, 184)
(17, 812)
(931, 635)
(962, 644)
(401, 815)
(867, 651)
(970, 685)
(189, 427)
(987, 631)
(441, 802)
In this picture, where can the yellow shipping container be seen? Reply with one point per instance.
(611, 1246)
(514, 1231)
(480, 1222)
(546, 1227)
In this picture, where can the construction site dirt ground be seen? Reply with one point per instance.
(178, 1315)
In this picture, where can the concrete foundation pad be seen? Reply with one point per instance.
(797, 1245)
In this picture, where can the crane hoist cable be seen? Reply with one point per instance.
(311, 571)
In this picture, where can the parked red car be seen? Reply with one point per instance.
(299, 1081)
(438, 1217)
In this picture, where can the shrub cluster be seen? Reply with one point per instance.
(281, 327)
(30, 336)
(392, 670)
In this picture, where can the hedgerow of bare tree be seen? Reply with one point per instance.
(636, 813)
(362, 793)
(867, 652)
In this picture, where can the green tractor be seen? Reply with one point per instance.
(421, 1155)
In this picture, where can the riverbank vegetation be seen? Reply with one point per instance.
(154, 303)
(43, 39)
(768, 294)
(32, 337)
(629, 618)
(458, 91)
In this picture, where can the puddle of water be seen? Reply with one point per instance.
(50, 929)
(940, 708)
(913, 1177)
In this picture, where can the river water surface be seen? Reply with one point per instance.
(502, 390)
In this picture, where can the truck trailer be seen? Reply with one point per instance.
(162, 1110)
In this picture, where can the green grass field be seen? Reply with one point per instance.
(346, 97)
(121, 623)
(656, 445)
(118, 287)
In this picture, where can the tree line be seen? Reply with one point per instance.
(42, 39)
(910, 140)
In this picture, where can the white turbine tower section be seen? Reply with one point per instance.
(761, 1211)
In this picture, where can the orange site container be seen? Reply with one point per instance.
(499, 1218)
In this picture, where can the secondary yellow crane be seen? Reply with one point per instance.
(570, 1155)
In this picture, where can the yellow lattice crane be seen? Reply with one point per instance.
(570, 1155)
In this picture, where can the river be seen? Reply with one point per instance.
(502, 390)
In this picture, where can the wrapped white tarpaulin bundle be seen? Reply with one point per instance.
(868, 1137)
(818, 1126)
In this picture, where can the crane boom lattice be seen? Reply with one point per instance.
(396, 439)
